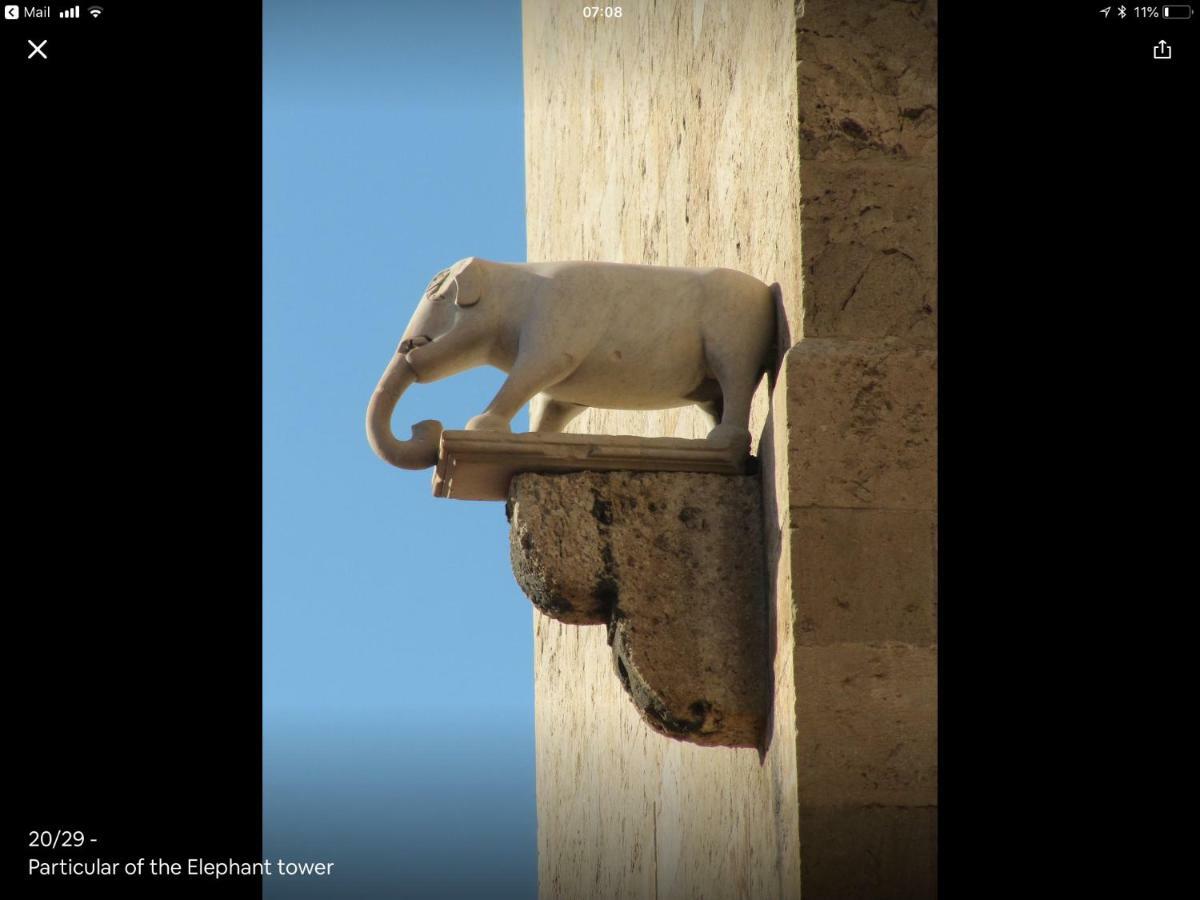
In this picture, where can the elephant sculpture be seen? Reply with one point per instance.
(582, 334)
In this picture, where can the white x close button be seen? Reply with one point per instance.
(37, 49)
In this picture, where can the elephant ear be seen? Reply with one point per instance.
(462, 283)
(438, 282)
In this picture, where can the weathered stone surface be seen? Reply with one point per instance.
(862, 425)
(479, 465)
(867, 93)
(672, 563)
(867, 80)
(870, 251)
(560, 550)
(861, 441)
(869, 714)
(881, 852)
(861, 545)
(864, 575)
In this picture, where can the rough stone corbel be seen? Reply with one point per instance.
(658, 539)
(672, 564)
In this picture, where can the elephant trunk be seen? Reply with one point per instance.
(421, 451)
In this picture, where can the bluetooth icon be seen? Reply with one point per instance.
(1121, 11)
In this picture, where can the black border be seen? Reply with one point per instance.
(133, 277)
(1067, 189)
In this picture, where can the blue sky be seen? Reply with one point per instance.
(397, 649)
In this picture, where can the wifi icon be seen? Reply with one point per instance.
(94, 11)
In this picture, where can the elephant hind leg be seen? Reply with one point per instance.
(552, 415)
(738, 378)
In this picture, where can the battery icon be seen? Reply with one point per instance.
(1177, 12)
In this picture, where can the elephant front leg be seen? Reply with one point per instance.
(527, 379)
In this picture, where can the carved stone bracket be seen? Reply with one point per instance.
(672, 564)
(479, 465)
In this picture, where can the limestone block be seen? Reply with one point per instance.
(870, 252)
(868, 120)
(881, 852)
(867, 725)
(864, 575)
(867, 80)
(867, 762)
(673, 564)
(862, 429)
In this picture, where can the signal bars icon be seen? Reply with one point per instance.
(72, 13)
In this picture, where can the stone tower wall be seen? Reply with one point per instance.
(797, 145)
